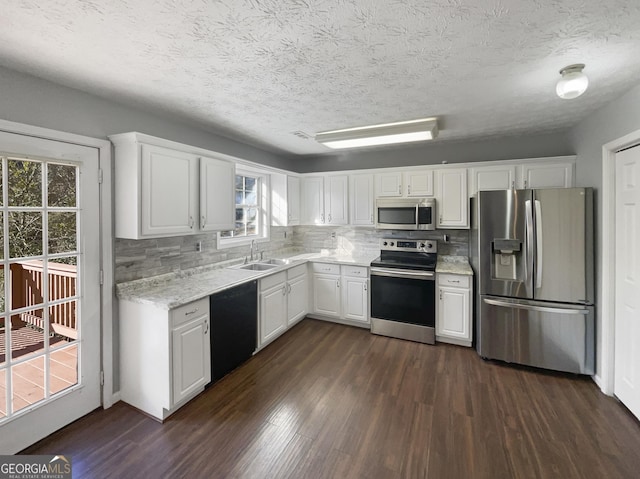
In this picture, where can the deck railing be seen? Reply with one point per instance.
(27, 284)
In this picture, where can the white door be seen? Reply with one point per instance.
(312, 197)
(453, 202)
(293, 200)
(419, 183)
(336, 200)
(362, 200)
(389, 184)
(453, 313)
(326, 294)
(627, 282)
(49, 287)
(191, 357)
(355, 299)
(297, 299)
(273, 313)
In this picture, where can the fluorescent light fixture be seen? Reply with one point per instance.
(573, 82)
(384, 134)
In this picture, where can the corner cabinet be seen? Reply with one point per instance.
(165, 356)
(164, 188)
(453, 316)
(341, 293)
(452, 200)
(325, 200)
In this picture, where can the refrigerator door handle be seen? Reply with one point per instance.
(528, 307)
(538, 245)
(529, 240)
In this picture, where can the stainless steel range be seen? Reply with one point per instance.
(403, 290)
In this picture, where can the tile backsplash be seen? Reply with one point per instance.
(137, 259)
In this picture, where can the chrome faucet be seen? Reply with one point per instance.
(253, 248)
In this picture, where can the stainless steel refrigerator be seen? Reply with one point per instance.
(532, 252)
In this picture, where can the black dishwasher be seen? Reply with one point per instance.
(234, 325)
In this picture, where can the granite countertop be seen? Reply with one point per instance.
(176, 289)
(454, 265)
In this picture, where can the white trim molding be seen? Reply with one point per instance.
(106, 238)
(606, 376)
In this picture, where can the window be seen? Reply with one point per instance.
(251, 211)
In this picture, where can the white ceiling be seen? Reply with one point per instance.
(258, 70)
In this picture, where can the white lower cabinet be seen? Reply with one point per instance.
(453, 317)
(283, 302)
(165, 356)
(341, 292)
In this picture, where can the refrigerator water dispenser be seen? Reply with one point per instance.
(504, 252)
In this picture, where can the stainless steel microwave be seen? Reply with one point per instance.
(406, 214)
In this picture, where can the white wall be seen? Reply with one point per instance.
(611, 122)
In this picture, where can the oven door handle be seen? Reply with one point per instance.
(394, 273)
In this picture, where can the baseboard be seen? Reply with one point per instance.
(600, 383)
(346, 322)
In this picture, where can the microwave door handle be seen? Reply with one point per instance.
(417, 216)
(538, 244)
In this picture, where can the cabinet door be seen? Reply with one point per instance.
(453, 203)
(169, 191)
(389, 184)
(336, 200)
(326, 294)
(297, 299)
(492, 178)
(293, 200)
(273, 313)
(419, 183)
(547, 176)
(217, 200)
(453, 313)
(355, 299)
(312, 196)
(362, 200)
(191, 357)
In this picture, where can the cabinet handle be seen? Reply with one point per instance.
(440, 294)
(371, 219)
(204, 222)
(191, 222)
(338, 283)
(206, 327)
(408, 189)
(440, 218)
(188, 313)
(284, 290)
(513, 184)
(329, 217)
(454, 281)
(322, 218)
(365, 286)
(399, 189)
(525, 184)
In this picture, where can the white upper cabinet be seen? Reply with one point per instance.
(502, 177)
(389, 184)
(336, 200)
(285, 200)
(325, 200)
(293, 200)
(169, 191)
(164, 188)
(217, 180)
(546, 175)
(312, 199)
(362, 200)
(419, 183)
(415, 183)
(452, 200)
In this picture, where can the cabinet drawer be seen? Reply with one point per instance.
(355, 271)
(456, 280)
(273, 280)
(190, 311)
(326, 268)
(296, 271)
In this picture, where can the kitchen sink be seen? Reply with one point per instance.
(257, 266)
(274, 261)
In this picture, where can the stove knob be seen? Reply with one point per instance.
(429, 245)
(421, 245)
(384, 244)
(391, 243)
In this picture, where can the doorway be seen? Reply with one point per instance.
(50, 292)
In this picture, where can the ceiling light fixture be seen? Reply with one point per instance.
(573, 82)
(384, 134)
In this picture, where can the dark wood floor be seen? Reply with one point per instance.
(331, 401)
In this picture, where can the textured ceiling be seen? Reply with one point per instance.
(258, 70)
